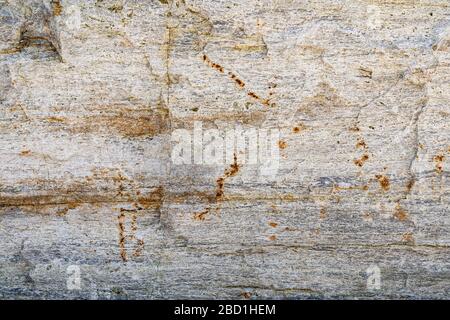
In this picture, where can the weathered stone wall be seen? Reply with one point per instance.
(92, 91)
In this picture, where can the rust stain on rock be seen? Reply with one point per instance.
(140, 246)
(239, 82)
(438, 162)
(212, 64)
(365, 72)
(410, 184)
(299, 128)
(220, 184)
(360, 162)
(135, 126)
(139, 243)
(152, 199)
(361, 143)
(246, 295)
(56, 119)
(383, 181)
(400, 213)
(25, 153)
(57, 7)
(121, 225)
(230, 172)
(200, 216)
(253, 95)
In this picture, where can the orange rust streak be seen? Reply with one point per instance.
(230, 172)
(57, 8)
(236, 79)
(282, 144)
(438, 162)
(123, 252)
(384, 182)
(360, 162)
(400, 214)
(201, 215)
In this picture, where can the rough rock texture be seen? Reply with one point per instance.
(91, 91)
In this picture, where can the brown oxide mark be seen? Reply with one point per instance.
(133, 222)
(253, 95)
(273, 237)
(121, 224)
(25, 153)
(365, 72)
(56, 119)
(273, 224)
(200, 216)
(367, 216)
(212, 64)
(119, 180)
(410, 185)
(400, 213)
(198, 196)
(383, 181)
(140, 247)
(282, 144)
(230, 172)
(240, 83)
(116, 8)
(220, 184)
(152, 199)
(136, 127)
(272, 87)
(361, 144)
(246, 295)
(438, 163)
(56, 7)
(360, 162)
(299, 128)
(139, 243)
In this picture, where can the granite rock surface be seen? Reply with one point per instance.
(92, 204)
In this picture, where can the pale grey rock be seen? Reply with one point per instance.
(91, 91)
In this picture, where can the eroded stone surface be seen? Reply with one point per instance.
(91, 91)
